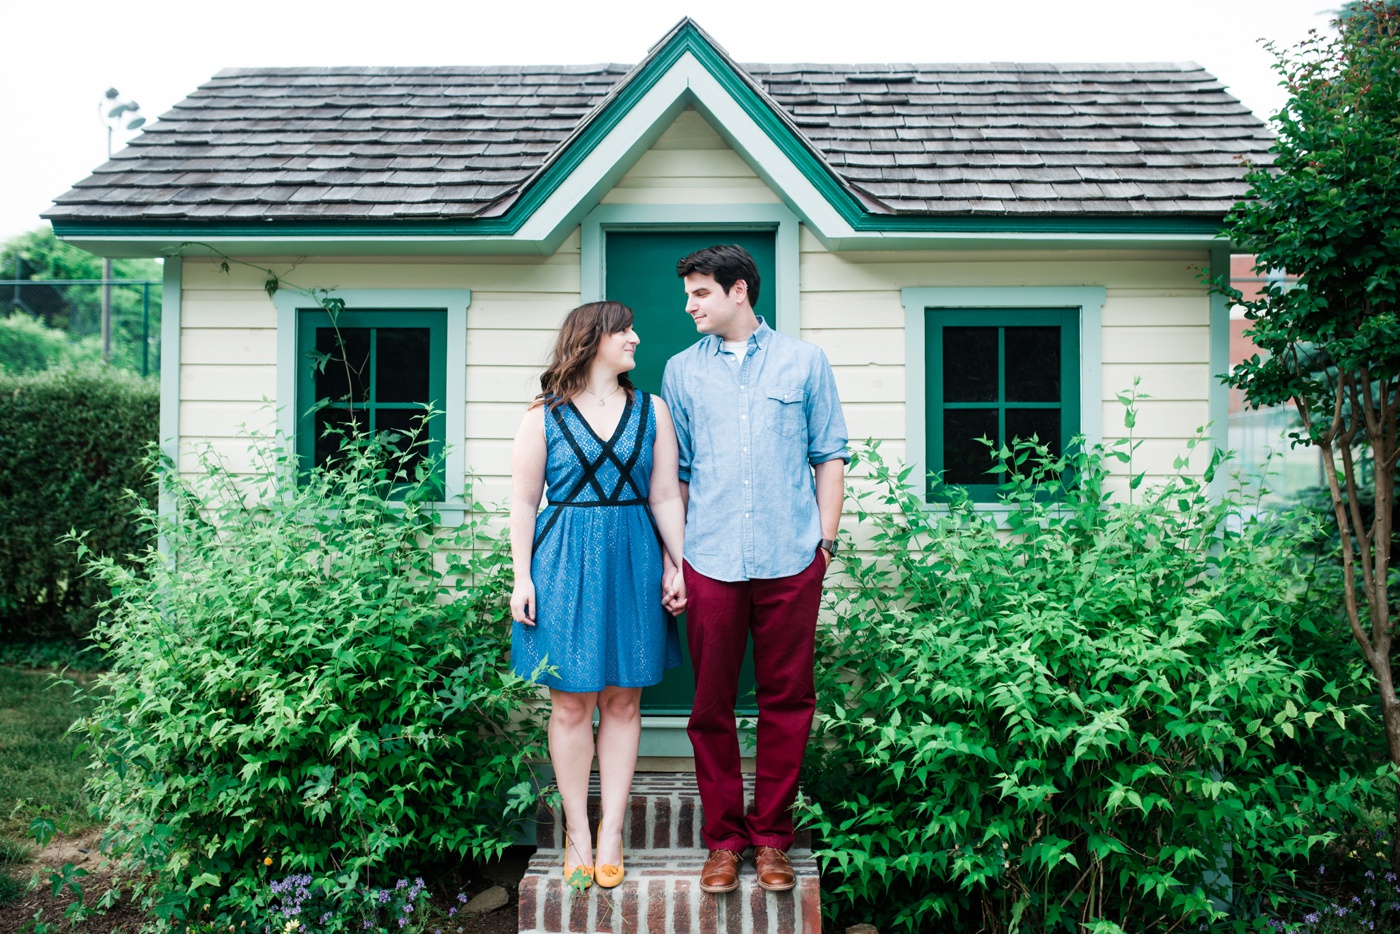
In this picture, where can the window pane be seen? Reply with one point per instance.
(341, 423)
(400, 427)
(965, 459)
(969, 364)
(1041, 424)
(401, 365)
(1033, 364)
(347, 367)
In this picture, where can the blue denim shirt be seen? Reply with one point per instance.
(749, 437)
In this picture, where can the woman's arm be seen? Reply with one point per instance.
(667, 504)
(527, 461)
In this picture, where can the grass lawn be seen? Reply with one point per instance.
(37, 764)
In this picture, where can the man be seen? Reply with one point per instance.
(762, 468)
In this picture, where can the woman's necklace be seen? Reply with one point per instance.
(603, 398)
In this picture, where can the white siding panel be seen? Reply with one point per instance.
(895, 270)
(1167, 381)
(681, 163)
(690, 164)
(227, 309)
(859, 347)
(852, 310)
(1135, 310)
(1157, 419)
(1156, 345)
(494, 420)
(227, 419)
(521, 347)
(689, 193)
(873, 420)
(518, 384)
(557, 273)
(870, 383)
(202, 382)
(489, 457)
(228, 346)
(521, 310)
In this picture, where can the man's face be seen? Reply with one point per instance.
(713, 311)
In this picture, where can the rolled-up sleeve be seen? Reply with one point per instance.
(680, 415)
(826, 423)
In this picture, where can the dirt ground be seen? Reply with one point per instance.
(125, 918)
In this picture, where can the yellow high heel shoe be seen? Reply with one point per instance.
(610, 876)
(571, 871)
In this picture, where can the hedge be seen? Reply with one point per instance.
(72, 443)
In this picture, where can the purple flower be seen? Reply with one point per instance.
(403, 884)
(452, 913)
(384, 897)
(462, 897)
(1312, 918)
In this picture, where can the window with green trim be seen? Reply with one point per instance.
(999, 374)
(373, 372)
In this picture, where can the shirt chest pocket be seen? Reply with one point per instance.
(786, 411)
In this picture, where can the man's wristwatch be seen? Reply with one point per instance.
(828, 545)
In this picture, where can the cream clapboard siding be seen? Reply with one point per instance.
(228, 345)
(690, 164)
(1155, 326)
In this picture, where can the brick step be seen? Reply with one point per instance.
(661, 895)
(663, 813)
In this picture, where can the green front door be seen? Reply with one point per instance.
(641, 273)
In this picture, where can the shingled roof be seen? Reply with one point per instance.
(463, 142)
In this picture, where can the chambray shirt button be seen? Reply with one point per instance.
(746, 483)
(743, 418)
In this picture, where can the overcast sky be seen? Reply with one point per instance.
(60, 59)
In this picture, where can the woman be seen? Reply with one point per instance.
(587, 603)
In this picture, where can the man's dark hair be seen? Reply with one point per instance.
(727, 263)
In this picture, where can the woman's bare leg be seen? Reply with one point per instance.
(619, 733)
(571, 753)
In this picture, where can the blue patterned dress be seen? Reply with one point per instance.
(597, 560)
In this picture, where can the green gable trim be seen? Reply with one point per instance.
(687, 38)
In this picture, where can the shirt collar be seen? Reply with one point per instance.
(757, 339)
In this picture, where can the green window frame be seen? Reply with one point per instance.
(987, 410)
(383, 405)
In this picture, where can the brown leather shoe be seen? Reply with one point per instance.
(774, 871)
(721, 872)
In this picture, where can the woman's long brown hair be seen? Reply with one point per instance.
(580, 335)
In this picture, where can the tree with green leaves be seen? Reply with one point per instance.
(71, 313)
(1328, 211)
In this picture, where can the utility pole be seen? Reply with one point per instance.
(113, 110)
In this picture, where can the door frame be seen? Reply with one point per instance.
(594, 229)
(665, 736)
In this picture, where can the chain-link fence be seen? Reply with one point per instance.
(117, 320)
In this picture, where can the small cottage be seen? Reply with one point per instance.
(981, 250)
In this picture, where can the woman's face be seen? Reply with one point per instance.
(618, 350)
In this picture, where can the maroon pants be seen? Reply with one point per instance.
(781, 613)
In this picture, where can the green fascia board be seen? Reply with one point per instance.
(687, 38)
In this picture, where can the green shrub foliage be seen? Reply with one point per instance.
(312, 681)
(1076, 710)
(72, 442)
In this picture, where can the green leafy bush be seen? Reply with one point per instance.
(72, 443)
(314, 682)
(27, 345)
(1074, 710)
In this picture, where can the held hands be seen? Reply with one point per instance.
(522, 602)
(673, 597)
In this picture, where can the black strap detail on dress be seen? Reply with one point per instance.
(590, 468)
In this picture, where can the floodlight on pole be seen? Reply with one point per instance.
(116, 113)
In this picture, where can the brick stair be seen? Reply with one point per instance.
(661, 893)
